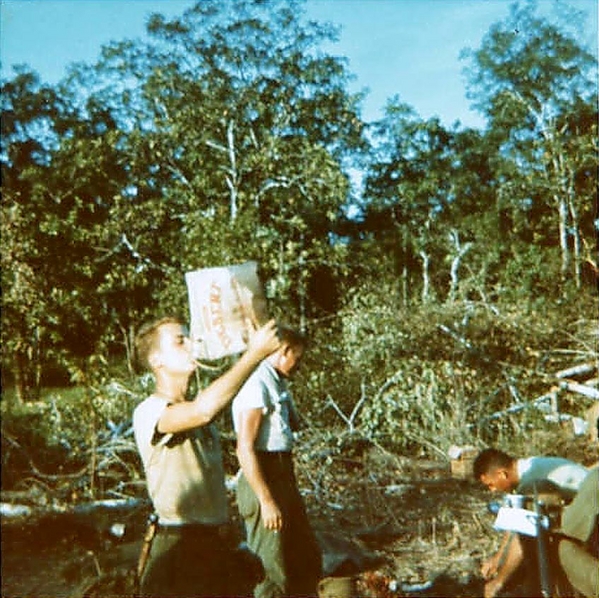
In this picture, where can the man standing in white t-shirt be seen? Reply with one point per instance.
(275, 518)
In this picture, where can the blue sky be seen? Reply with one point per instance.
(405, 47)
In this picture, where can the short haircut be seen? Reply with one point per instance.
(292, 337)
(146, 341)
(490, 459)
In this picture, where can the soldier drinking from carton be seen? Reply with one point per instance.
(181, 455)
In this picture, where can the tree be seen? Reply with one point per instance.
(408, 190)
(239, 130)
(29, 111)
(220, 140)
(531, 80)
(62, 171)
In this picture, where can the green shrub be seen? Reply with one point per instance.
(71, 440)
(423, 407)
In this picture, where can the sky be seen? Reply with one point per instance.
(408, 48)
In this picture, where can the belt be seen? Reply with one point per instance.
(274, 456)
(192, 528)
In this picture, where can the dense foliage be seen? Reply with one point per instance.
(453, 280)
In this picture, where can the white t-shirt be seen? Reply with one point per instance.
(550, 474)
(184, 471)
(267, 390)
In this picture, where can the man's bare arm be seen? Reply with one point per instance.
(249, 425)
(210, 401)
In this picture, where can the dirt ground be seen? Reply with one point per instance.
(398, 526)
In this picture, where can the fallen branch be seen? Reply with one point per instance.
(582, 389)
(577, 370)
(349, 420)
(548, 402)
(36, 471)
(16, 511)
(539, 403)
(454, 335)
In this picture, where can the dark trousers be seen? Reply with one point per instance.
(526, 580)
(196, 560)
(291, 559)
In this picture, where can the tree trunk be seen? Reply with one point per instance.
(27, 381)
(563, 235)
(20, 379)
(557, 179)
(425, 276)
(129, 343)
(461, 250)
(302, 285)
(577, 244)
(232, 177)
